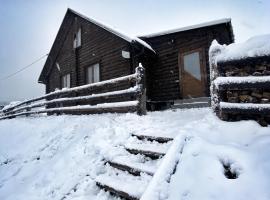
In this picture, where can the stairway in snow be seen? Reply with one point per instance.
(128, 175)
(199, 102)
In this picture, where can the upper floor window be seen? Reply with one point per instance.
(66, 81)
(77, 39)
(93, 74)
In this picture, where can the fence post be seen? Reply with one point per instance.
(214, 73)
(28, 110)
(141, 96)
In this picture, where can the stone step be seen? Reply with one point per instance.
(152, 138)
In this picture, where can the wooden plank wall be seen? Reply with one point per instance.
(164, 74)
(98, 46)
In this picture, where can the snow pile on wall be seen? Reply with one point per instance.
(47, 157)
(237, 80)
(255, 46)
(237, 67)
(256, 106)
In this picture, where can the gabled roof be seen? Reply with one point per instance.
(60, 38)
(211, 23)
(67, 22)
(114, 31)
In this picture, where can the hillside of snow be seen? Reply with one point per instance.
(59, 157)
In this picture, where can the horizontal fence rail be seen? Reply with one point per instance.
(82, 99)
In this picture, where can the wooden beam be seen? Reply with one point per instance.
(153, 138)
(127, 168)
(140, 82)
(259, 111)
(150, 154)
(244, 86)
(89, 99)
(75, 90)
(116, 192)
(78, 110)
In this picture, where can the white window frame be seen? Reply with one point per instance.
(65, 81)
(77, 39)
(93, 73)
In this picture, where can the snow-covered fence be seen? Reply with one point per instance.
(82, 100)
(240, 80)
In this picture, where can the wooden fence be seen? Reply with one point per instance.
(240, 89)
(88, 99)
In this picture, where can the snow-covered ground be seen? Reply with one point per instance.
(50, 157)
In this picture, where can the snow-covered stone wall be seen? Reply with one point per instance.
(240, 80)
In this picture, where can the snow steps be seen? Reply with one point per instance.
(153, 138)
(150, 154)
(121, 185)
(199, 102)
(128, 177)
(129, 168)
(113, 191)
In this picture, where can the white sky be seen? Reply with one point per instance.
(28, 28)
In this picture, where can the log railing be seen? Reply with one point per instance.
(88, 99)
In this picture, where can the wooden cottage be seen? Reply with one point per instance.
(176, 62)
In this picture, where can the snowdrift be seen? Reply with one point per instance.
(59, 157)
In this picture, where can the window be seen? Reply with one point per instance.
(93, 74)
(66, 81)
(192, 65)
(77, 39)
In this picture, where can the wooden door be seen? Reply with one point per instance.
(192, 74)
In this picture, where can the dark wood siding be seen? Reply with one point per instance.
(164, 84)
(101, 46)
(97, 46)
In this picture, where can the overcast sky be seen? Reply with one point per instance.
(28, 28)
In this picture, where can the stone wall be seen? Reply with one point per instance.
(241, 89)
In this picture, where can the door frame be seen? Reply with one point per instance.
(203, 69)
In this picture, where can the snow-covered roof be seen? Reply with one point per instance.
(115, 31)
(253, 47)
(211, 23)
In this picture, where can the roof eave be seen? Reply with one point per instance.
(44, 73)
(113, 30)
(187, 28)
